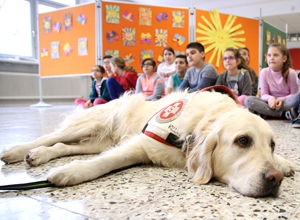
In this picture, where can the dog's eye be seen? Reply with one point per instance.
(244, 141)
(272, 145)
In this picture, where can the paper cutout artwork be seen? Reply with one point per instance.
(81, 18)
(56, 26)
(68, 21)
(177, 52)
(177, 19)
(129, 59)
(82, 46)
(44, 52)
(275, 39)
(47, 24)
(161, 37)
(146, 38)
(55, 50)
(179, 39)
(112, 52)
(268, 37)
(111, 36)
(67, 49)
(279, 39)
(128, 36)
(162, 16)
(160, 58)
(145, 16)
(283, 42)
(113, 14)
(128, 16)
(146, 54)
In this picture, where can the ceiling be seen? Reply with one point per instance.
(278, 13)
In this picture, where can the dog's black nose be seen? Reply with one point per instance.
(273, 177)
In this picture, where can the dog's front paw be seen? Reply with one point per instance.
(288, 170)
(38, 156)
(71, 174)
(14, 154)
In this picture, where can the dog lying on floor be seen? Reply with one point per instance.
(206, 132)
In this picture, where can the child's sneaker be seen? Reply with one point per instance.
(296, 122)
(291, 114)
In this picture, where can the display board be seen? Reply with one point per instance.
(67, 41)
(218, 31)
(136, 32)
(271, 34)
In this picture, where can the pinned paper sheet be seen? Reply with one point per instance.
(146, 54)
(179, 39)
(162, 16)
(112, 14)
(177, 19)
(55, 50)
(112, 52)
(47, 25)
(128, 16)
(111, 36)
(67, 49)
(129, 59)
(82, 46)
(56, 26)
(81, 18)
(146, 38)
(128, 36)
(68, 21)
(161, 37)
(44, 52)
(145, 16)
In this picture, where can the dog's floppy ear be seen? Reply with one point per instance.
(199, 162)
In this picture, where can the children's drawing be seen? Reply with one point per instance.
(113, 14)
(128, 36)
(146, 54)
(145, 16)
(67, 49)
(128, 16)
(146, 38)
(162, 16)
(179, 39)
(82, 46)
(81, 18)
(160, 59)
(111, 36)
(279, 39)
(47, 24)
(161, 37)
(56, 26)
(112, 52)
(129, 59)
(68, 21)
(178, 52)
(55, 50)
(44, 52)
(268, 37)
(177, 19)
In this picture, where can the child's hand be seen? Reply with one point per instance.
(88, 104)
(272, 103)
(278, 104)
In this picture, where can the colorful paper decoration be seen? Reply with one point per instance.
(279, 39)
(68, 21)
(47, 25)
(268, 37)
(145, 16)
(129, 59)
(112, 52)
(128, 16)
(146, 38)
(162, 16)
(177, 19)
(82, 46)
(161, 37)
(67, 49)
(56, 26)
(55, 50)
(177, 52)
(179, 39)
(81, 18)
(146, 54)
(44, 52)
(160, 59)
(128, 36)
(111, 36)
(113, 14)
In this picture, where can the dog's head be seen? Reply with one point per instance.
(236, 148)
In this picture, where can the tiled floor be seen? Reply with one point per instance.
(138, 193)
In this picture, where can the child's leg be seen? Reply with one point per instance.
(261, 107)
(80, 101)
(292, 102)
(114, 88)
(99, 101)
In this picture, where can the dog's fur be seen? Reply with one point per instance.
(229, 143)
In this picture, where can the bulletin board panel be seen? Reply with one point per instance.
(218, 31)
(271, 34)
(67, 41)
(136, 32)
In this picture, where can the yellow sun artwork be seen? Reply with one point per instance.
(217, 38)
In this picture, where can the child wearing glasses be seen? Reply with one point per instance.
(150, 83)
(106, 66)
(278, 83)
(124, 79)
(99, 93)
(236, 76)
(201, 74)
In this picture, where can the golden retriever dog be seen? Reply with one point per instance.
(208, 133)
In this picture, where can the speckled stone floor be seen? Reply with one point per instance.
(145, 192)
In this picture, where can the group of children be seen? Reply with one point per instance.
(275, 95)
